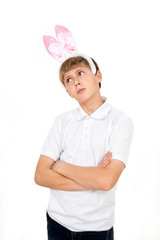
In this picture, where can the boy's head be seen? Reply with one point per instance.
(74, 62)
(75, 74)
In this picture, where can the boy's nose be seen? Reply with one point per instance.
(77, 82)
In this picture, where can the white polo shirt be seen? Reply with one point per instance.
(81, 139)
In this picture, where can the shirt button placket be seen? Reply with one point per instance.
(86, 129)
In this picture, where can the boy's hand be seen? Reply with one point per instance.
(106, 160)
(56, 166)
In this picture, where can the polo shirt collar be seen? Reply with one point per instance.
(99, 113)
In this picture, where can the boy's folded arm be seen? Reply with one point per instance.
(46, 177)
(95, 178)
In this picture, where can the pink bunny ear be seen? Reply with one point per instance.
(52, 46)
(65, 38)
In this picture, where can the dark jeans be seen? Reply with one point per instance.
(58, 232)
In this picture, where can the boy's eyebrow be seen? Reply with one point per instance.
(80, 69)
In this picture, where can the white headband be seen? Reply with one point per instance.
(64, 47)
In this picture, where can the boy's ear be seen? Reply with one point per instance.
(99, 76)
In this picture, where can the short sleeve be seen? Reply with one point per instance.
(121, 138)
(52, 146)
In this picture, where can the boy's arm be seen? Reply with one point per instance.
(96, 178)
(46, 177)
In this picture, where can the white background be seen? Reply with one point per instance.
(124, 38)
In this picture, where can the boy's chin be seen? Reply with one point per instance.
(80, 99)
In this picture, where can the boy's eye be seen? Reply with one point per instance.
(80, 73)
(68, 80)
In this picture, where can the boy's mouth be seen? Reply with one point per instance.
(80, 90)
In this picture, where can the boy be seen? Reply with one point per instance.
(92, 144)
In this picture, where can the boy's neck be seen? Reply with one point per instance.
(92, 104)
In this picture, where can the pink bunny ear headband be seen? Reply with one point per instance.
(64, 46)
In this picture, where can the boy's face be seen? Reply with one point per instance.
(81, 77)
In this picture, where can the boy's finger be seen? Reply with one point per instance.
(108, 153)
(108, 162)
(108, 157)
